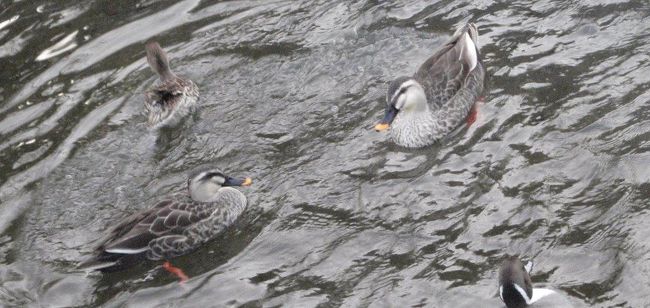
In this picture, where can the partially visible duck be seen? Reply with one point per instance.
(173, 98)
(516, 288)
(424, 108)
(175, 226)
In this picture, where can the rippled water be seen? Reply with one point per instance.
(555, 167)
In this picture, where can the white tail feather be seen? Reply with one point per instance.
(468, 51)
(127, 251)
(96, 266)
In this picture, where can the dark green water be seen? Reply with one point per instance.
(554, 168)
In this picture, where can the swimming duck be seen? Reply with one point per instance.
(173, 98)
(516, 288)
(175, 226)
(422, 109)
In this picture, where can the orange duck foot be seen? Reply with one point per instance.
(176, 271)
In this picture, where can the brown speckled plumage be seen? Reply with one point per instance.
(173, 98)
(174, 226)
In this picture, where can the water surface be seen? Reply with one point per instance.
(554, 168)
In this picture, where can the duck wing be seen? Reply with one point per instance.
(130, 241)
(169, 217)
(445, 73)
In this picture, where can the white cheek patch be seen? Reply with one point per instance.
(400, 102)
(203, 176)
(538, 293)
(402, 95)
(522, 292)
(408, 83)
(395, 95)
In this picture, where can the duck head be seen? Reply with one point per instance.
(205, 184)
(515, 286)
(158, 61)
(405, 96)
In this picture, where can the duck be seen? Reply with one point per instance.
(176, 225)
(423, 108)
(173, 98)
(516, 288)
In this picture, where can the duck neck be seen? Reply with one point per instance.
(204, 191)
(232, 202)
(416, 127)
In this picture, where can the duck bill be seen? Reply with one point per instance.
(237, 182)
(384, 124)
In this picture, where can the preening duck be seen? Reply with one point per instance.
(422, 109)
(175, 226)
(173, 98)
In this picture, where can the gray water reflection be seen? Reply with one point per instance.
(554, 167)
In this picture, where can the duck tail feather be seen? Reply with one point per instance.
(97, 262)
(473, 33)
(466, 45)
(110, 262)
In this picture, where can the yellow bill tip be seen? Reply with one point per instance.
(247, 182)
(382, 127)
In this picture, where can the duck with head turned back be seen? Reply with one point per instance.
(424, 108)
(516, 288)
(175, 226)
(173, 98)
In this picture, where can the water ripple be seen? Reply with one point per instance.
(553, 168)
